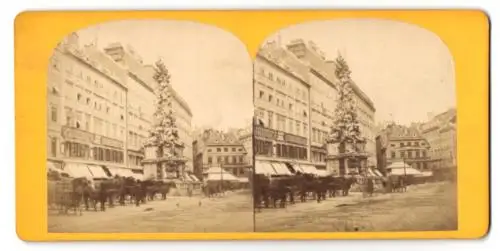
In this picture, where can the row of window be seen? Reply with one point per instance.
(282, 83)
(263, 147)
(226, 160)
(409, 154)
(83, 151)
(419, 165)
(226, 149)
(318, 157)
(79, 120)
(291, 152)
(117, 96)
(98, 106)
(409, 143)
(293, 127)
(238, 172)
(279, 102)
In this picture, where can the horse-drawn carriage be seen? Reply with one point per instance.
(67, 194)
(270, 189)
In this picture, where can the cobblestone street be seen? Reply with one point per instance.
(422, 207)
(231, 213)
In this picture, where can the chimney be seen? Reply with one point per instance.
(115, 51)
(297, 47)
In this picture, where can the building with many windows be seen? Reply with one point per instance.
(397, 143)
(220, 149)
(440, 132)
(100, 107)
(282, 110)
(86, 110)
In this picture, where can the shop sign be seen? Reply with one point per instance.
(295, 139)
(266, 133)
(69, 133)
(111, 142)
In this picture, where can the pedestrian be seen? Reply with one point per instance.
(190, 190)
(369, 186)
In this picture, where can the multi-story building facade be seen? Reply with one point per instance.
(220, 149)
(440, 132)
(398, 143)
(323, 101)
(86, 110)
(282, 110)
(100, 106)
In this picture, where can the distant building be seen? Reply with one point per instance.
(220, 149)
(245, 136)
(440, 132)
(397, 143)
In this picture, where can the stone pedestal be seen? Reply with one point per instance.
(343, 159)
(168, 166)
(332, 165)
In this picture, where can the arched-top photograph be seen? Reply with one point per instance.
(149, 129)
(355, 129)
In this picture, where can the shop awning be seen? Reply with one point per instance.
(309, 169)
(97, 172)
(263, 167)
(78, 170)
(217, 173)
(53, 167)
(281, 168)
(194, 178)
(123, 172)
(298, 168)
(408, 171)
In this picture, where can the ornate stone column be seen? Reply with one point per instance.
(332, 158)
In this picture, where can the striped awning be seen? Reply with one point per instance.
(194, 178)
(281, 168)
(298, 168)
(97, 172)
(264, 167)
(78, 170)
(309, 169)
(123, 172)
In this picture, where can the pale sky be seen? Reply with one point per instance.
(406, 70)
(210, 68)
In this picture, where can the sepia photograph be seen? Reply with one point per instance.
(149, 129)
(354, 129)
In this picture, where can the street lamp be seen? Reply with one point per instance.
(404, 167)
